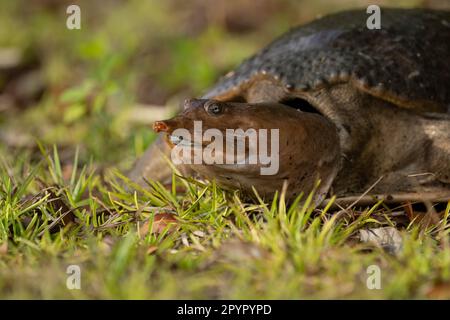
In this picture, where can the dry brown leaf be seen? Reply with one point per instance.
(387, 238)
(151, 249)
(178, 189)
(160, 222)
(423, 219)
(4, 248)
(67, 171)
(439, 291)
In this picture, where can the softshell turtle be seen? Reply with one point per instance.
(359, 107)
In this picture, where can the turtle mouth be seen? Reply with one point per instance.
(176, 140)
(167, 127)
(181, 141)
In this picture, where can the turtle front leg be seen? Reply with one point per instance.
(438, 156)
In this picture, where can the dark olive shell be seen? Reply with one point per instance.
(406, 62)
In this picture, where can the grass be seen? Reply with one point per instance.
(65, 148)
(216, 247)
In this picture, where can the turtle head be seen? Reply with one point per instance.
(218, 125)
(245, 145)
(220, 115)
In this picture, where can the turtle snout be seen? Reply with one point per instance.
(160, 126)
(166, 125)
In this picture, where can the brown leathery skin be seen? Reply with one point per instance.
(308, 146)
(385, 91)
(405, 62)
(409, 150)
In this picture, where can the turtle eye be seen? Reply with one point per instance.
(213, 108)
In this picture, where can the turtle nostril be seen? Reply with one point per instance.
(159, 126)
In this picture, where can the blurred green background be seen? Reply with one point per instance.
(97, 90)
(131, 63)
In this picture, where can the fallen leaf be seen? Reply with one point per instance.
(67, 171)
(439, 291)
(178, 189)
(387, 238)
(4, 248)
(151, 249)
(423, 219)
(198, 233)
(160, 222)
(184, 240)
